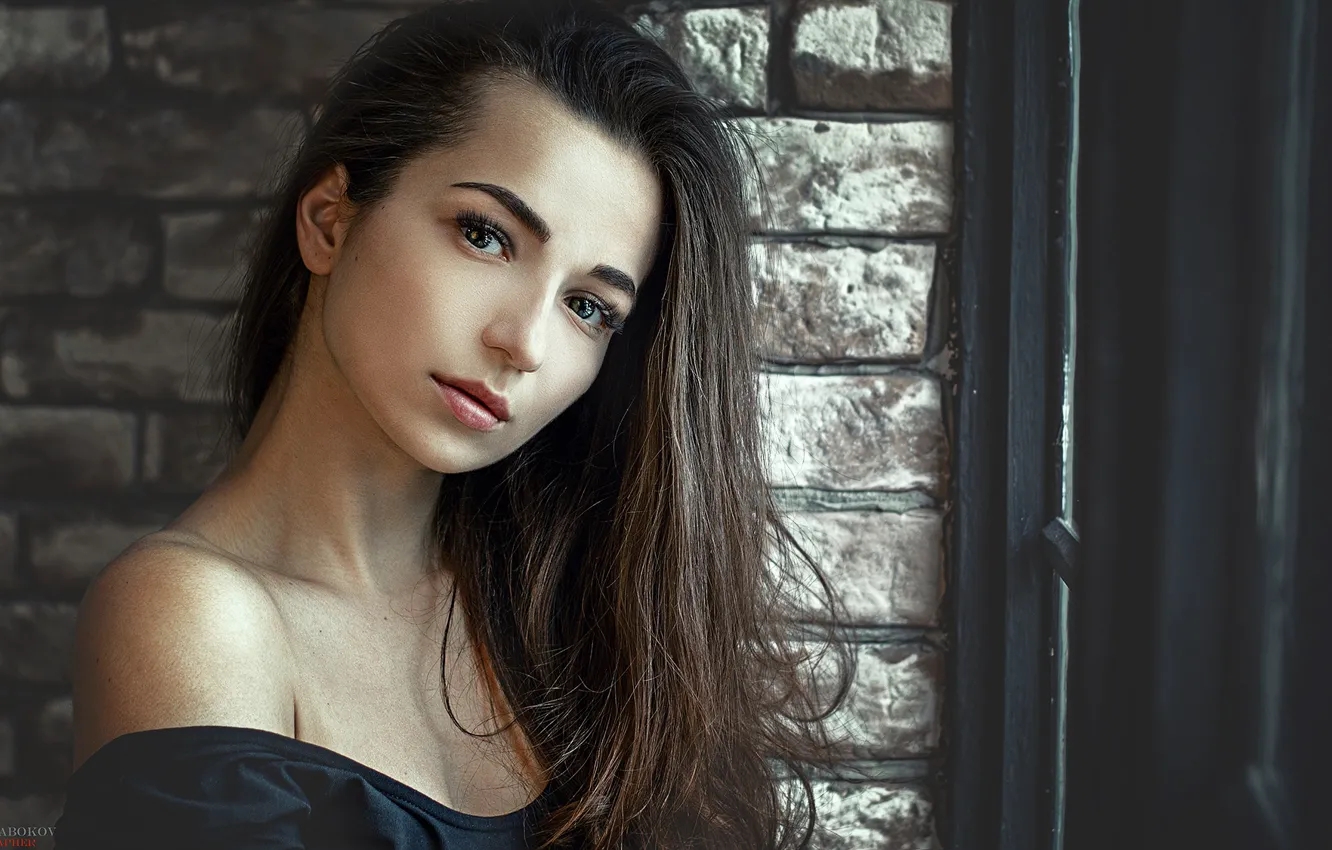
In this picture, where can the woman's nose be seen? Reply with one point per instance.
(520, 326)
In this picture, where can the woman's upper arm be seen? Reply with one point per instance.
(166, 637)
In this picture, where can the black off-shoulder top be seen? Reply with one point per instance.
(215, 787)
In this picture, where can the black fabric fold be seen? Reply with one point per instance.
(215, 787)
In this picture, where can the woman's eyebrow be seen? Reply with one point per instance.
(528, 216)
(515, 205)
(618, 279)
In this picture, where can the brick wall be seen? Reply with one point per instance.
(135, 139)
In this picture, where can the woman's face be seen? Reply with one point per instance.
(495, 261)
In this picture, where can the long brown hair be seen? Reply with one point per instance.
(626, 574)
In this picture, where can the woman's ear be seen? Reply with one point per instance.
(321, 221)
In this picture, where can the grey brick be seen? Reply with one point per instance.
(858, 816)
(826, 305)
(184, 451)
(68, 551)
(8, 551)
(853, 432)
(57, 47)
(72, 252)
(873, 54)
(893, 178)
(55, 449)
(36, 640)
(247, 50)
(724, 51)
(204, 251)
(164, 153)
(886, 568)
(894, 707)
(111, 354)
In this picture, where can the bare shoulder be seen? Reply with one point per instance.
(171, 635)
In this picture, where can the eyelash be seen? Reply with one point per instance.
(612, 322)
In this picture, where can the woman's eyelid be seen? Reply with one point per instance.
(599, 291)
(622, 311)
(501, 234)
(473, 220)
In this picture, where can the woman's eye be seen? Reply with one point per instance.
(609, 323)
(593, 309)
(483, 233)
(483, 240)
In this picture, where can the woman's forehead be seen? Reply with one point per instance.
(564, 167)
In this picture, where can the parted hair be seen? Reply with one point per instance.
(628, 579)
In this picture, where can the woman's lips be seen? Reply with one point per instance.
(468, 410)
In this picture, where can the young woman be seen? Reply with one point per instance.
(495, 563)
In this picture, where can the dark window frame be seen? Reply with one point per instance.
(1008, 545)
